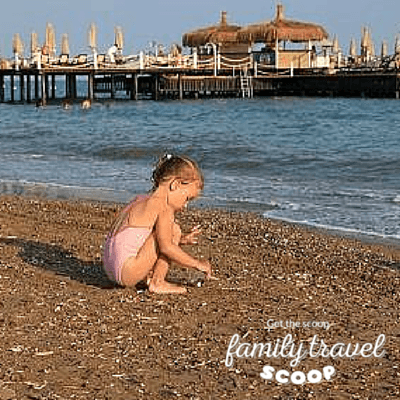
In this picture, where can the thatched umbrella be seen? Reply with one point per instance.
(353, 48)
(282, 29)
(222, 34)
(34, 43)
(65, 45)
(50, 39)
(18, 46)
(119, 37)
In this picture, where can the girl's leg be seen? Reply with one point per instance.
(138, 267)
(148, 263)
(158, 284)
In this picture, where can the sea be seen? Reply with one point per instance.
(324, 162)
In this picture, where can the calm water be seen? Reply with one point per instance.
(325, 162)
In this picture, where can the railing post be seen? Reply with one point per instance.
(195, 58)
(95, 59)
(141, 61)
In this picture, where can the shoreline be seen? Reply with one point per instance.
(67, 331)
(56, 192)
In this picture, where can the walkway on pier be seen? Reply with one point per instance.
(46, 85)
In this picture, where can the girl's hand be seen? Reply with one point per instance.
(192, 238)
(205, 266)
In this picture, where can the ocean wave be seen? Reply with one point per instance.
(396, 199)
(334, 228)
(123, 153)
(60, 191)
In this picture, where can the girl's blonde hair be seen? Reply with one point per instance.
(169, 166)
(180, 167)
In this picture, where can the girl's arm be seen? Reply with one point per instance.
(191, 238)
(164, 237)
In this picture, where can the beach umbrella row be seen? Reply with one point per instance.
(49, 47)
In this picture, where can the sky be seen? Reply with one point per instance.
(165, 21)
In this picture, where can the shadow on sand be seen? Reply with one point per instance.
(54, 258)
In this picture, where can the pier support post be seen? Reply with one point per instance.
(180, 87)
(36, 87)
(75, 92)
(156, 85)
(46, 86)
(67, 86)
(44, 89)
(53, 86)
(2, 88)
(12, 88)
(28, 88)
(91, 86)
(112, 86)
(22, 87)
(134, 87)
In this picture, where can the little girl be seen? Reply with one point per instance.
(144, 238)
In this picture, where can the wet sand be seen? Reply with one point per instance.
(67, 332)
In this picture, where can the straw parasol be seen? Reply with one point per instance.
(335, 46)
(384, 50)
(92, 36)
(353, 48)
(367, 45)
(65, 44)
(282, 29)
(222, 34)
(397, 46)
(50, 39)
(371, 47)
(119, 37)
(18, 46)
(34, 43)
(175, 50)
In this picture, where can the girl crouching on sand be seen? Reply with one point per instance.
(144, 238)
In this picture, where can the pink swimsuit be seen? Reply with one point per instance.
(123, 245)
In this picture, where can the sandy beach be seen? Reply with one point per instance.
(67, 332)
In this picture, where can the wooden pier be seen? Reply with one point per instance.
(49, 85)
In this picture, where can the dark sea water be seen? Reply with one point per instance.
(326, 162)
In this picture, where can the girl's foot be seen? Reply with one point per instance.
(166, 288)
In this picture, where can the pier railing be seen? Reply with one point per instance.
(139, 61)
